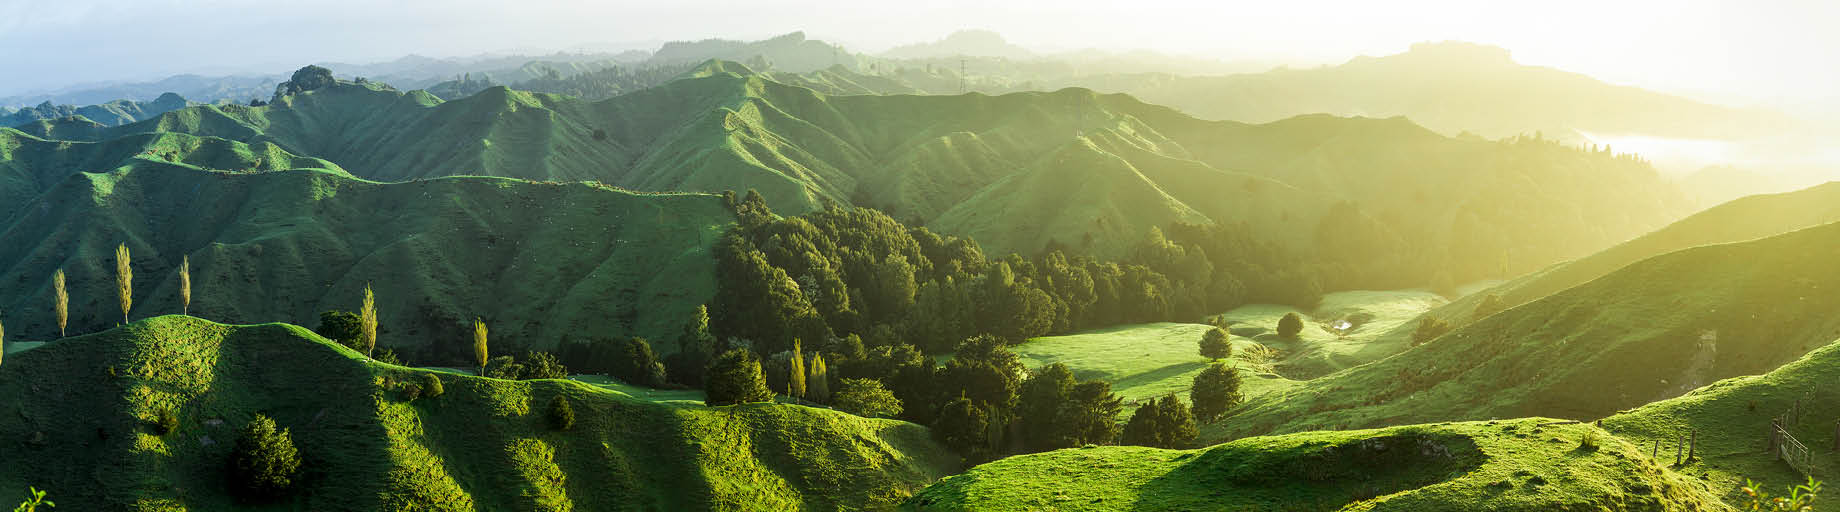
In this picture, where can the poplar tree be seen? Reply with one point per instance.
(2, 341)
(185, 285)
(367, 323)
(819, 386)
(63, 300)
(796, 385)
(124, 281)
(479, 344)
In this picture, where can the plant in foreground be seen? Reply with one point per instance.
(1800, 497)
(37, 499)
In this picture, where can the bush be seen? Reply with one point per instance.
(1490, 305)
(866, 398)
(561, 414)
(264, 464)
(964, 427)
(1164, 423)
(541, 365)
(166, 422)
(1429, 328)
(1290, 326)
(431, 385)
(343, 327)
(1215, 344)
(735, 378)
(504, 367)
(411, 391)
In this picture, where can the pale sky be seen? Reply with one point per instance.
(1781, 52)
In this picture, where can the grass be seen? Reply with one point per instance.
(483, 445)
(1526, 464)
(1146, 361)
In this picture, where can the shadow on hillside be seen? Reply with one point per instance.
(1314, 476)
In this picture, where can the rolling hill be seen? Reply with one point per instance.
(998, 168)
(81, 410)
(113, 113)
(1526, 464)
(541, 261)
(1650, 331)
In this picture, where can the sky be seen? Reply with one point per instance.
(1768, 52)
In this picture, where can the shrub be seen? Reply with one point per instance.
(1290, 326)
(561, 414)
(1215, 344)
(343, 327)
(538, 364)
(735, 378)
(1429, 328)
(411, 391)
(1490, 305)
(35, 498)
(866, 398)
(431, 385)
(1164, 423)
(264, 464)
(387, 356)
(166, 422)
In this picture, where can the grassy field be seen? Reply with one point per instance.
(1151, 360)
(82, 407)
(1518, 465)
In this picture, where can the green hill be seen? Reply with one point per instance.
(80, 411)
(1650, 331)
(1000, 167)
(1526, 464)
(540, 262)
(1741, 219)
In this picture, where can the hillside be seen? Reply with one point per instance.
(1738, 220)
(113, 113)
(1650, 331)
(1525, 464)
(999, 167)
(1732, 418)
(1450, 87)
(482, 445)
(542, 262)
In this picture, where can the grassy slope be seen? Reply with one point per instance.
(541, 261)
(1653, 330)
(1512, 465)
(920, 157)
(1151, 360)
(1742, 219)
(484, 445)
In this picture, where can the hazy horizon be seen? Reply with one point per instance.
(1741, 54)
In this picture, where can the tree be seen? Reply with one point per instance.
(264, 464)
(1215, 390)
(124, 280)
(479, 345)
(1090, 415)
(185, 285)
(2, 341)
(1429, 328)
(538, 364)
(63, 300)
(964, 426)
(866, 398)
(1290, 326)
(367, 322)
(818, 386)
(795, 382)
(431, 385)
(561, 414)
(735, 378)
(1215, 345)
(343, 327)
(1164, 423)
(1491, 304)
(638, 364)
(694, 348)
(1038, 406)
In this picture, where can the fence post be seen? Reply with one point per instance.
(1692, 445)
(1773, 430)
(1679, 448)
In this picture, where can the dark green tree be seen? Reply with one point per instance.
(1089, 416)
(735, 378)
(1429, 328)
(1290, 326)
(1039, 406)
(638, 364)
(265, 464)
(866, 398)
(343, 327)
(964, 426)
(1164, 423)
(1215, 390)
(1215, 345)
(695, 346)
(561, 414)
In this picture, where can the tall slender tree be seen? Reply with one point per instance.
(819, 386)
(2, 341)
(63, 300)
(185, 285)
(367, 322)
(796, 385)
(124, 281)
(479, 345)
